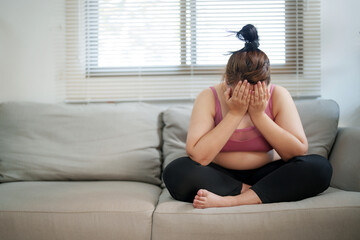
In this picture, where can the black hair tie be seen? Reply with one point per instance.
(251, 46)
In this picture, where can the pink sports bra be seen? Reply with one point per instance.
(246, 139)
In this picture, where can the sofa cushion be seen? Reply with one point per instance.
(345, 159)
(176, 122)
(319, 118)
(80, 142)
(77, 210)
(334, 214)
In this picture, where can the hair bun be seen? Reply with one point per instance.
(249, 34)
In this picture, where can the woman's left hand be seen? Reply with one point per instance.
(258, 100)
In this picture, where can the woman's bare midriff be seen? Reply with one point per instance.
(245, 160)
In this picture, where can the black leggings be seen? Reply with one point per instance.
(278, 181)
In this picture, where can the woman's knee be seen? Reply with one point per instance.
(317, 169)
(177, 168)
(178, 178)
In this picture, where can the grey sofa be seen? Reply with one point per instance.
(94, 172)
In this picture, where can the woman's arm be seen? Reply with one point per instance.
(204, 141)
(285, 134)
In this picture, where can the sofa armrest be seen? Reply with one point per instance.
(345, 159)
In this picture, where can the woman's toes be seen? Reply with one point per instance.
(198, 205)
(202, 193)
(202, 199)
(205, 193)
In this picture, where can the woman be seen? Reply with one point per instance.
(246, 143)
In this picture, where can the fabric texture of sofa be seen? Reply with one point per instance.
(94, 172)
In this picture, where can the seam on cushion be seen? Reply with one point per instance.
(153, 214)
(149, 211)
(153, 211)
(287, 210)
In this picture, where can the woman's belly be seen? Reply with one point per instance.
(245, 160)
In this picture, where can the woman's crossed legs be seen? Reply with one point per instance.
(214, 186)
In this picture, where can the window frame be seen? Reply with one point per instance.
(292, 15)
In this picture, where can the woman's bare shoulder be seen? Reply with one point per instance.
(205, 101)
(206, 93)
(206, 96)
(280, 91)
(281, 98)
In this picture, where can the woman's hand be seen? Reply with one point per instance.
(259, 100)
(238, 102)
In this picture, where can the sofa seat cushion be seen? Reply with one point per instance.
(334, 214)
(77, 210)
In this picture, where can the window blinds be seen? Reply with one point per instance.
(143, 50)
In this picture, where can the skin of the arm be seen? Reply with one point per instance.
(285, 134)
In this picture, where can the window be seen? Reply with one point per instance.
(171, 49)
(173, 35)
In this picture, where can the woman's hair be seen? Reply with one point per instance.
(248, 63)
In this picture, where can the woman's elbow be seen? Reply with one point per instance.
(299, 151)
(303, 149)
(197, 157)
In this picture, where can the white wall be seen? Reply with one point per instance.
(30, 67)
(341, 57)
(29, 33)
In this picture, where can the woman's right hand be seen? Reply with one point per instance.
(238, 101)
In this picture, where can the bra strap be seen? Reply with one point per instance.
(217, 107)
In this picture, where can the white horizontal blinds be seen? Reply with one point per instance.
(172, 49)
(309, 44)
(136, 35)
(76, 79)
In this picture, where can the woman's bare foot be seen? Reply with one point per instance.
(245, 187)
(206, 199)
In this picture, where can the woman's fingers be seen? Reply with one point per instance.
(245, 92)
(263, 86)
(260, 93)
(248, 97)
(256, 94)
(240, 93)
(237, 88)
(227, 94)
(252, 98)
(261, 90)
(267, 92)
(240, 89)
(238, 101)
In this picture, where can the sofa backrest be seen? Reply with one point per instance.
(80, 142)
(344, 158)
(115, 142)
(319, 118)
